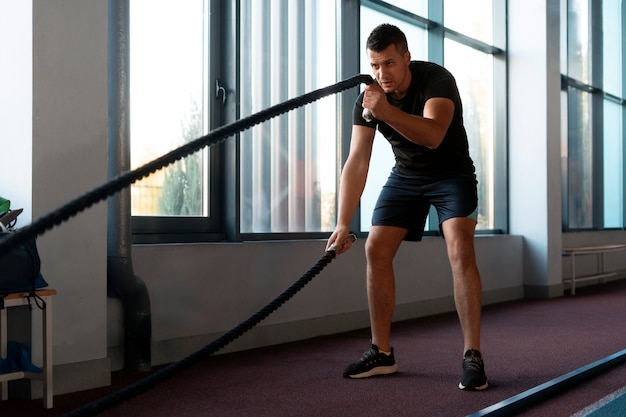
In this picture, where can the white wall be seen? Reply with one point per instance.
(69, 159)
(534, 140)
(16, 88)
(200, 291)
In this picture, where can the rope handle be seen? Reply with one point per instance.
(351, 238)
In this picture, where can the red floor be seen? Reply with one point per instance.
(525, 344)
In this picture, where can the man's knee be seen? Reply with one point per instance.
(376, 253)
(461, 252)
(382, 244)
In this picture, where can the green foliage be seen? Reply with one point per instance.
(181, 194)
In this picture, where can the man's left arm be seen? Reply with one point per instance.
(428, 130)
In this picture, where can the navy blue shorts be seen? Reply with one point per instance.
(405, 201)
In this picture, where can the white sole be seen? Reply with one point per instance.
(379, 370)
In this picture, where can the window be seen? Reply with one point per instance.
(288, 164)
(471, 18)
(593, 192)
(613, 132)
(169, 106)
(476, 86)
(220, 61)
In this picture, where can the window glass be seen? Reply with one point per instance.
(288, 164)
(613, 166)
(418, 7)
(578, 41)
(593, 192)
(167, 104)
(612, 45)
(580, 161)
(471, 18)
(475, 83)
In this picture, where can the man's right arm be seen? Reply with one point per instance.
(352, 184)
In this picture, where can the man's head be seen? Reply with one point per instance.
(389, 58)
(386, 35)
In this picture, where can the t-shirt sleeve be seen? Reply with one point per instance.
(441, 84)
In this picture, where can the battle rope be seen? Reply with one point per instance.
(87, 200)
(216, 136)
(162, 374)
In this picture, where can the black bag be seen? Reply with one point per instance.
(19, 268)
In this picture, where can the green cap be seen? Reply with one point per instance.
(5, 205)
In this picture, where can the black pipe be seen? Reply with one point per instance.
(133, 293)
(125, 285)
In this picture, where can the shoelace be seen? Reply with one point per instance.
(472, 364)
(373, 356)
(370, 354)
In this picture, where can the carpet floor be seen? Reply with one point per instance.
(525, 343)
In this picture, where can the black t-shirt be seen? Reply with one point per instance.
(452, 156)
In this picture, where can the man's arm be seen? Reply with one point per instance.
(427, 131)
(352, 184)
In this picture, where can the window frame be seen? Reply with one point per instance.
(184, 229)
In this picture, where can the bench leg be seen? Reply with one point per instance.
(573, 288)
(47, 354)
(603, 279)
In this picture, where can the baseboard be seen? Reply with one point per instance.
(168, 351)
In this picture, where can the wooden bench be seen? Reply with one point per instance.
(599, 251)
(21, 299)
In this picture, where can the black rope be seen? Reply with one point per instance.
(108, 189)
(218, 135)
(162, 374)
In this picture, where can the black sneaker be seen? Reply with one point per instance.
(373, 362)
(474, 378)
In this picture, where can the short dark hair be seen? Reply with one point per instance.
(385, 35)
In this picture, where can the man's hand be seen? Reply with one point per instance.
(375, 100)
(340, 241)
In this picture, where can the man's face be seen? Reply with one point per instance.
(391, 70)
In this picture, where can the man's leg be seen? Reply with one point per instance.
(459, 235)
(380, 249)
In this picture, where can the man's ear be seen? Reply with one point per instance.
(407, 56)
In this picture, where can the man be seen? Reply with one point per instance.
(416, 106)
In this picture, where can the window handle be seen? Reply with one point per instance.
(219, 89)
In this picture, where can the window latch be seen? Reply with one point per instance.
(220, 90)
